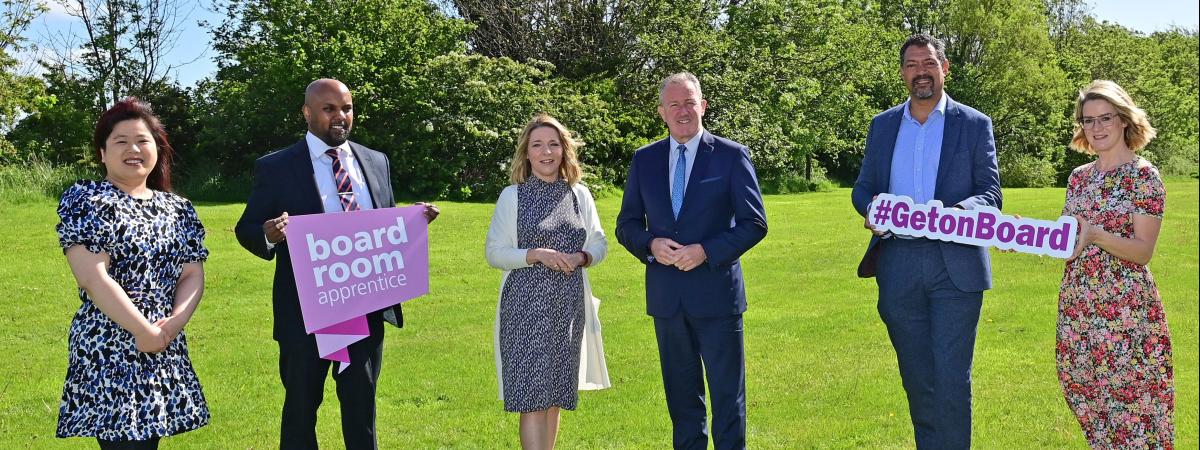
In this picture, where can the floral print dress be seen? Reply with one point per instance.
(1114, 349)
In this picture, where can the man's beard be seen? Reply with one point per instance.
(922, 93)
(334, 138)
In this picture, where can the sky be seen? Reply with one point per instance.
(194, 57)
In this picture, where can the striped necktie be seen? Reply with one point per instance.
(677, 184)
(341, 178)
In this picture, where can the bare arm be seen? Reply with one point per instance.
(188, 291)
(91, 273)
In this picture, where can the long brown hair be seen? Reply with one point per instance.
(128, 109)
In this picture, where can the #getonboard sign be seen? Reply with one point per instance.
(348, 264)
(982, 226)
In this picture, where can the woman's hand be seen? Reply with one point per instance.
(151, 340)
(171, 327)
(1087, 236)
(555, 260)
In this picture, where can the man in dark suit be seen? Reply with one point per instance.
(930, 292)
(322, 173)
(691, 208)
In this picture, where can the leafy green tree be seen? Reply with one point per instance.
(1172, 101)
(270, 50)
(59, 129)
(797, 85)
(18, 93)
(1004, 64)
(1160, 71)
(581, 38)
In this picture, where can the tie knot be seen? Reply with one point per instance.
(333, 153)
(682, 148)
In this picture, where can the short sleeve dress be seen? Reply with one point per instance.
(112, 391)
(1114, 349)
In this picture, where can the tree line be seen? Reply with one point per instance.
(444, 87)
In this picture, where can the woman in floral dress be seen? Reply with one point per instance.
(1114, 349)
(137, 253)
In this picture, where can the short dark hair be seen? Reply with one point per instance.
(132, 108)
(923, 39)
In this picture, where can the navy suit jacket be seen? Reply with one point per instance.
(284, 181)
(967, 176)
(722, 211)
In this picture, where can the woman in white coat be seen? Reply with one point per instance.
(544, 235)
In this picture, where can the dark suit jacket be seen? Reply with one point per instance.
(722, 211)
(967, 176)
(284, 182)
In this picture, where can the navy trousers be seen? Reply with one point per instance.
(304, 373)
(932, 326)
(689, 350)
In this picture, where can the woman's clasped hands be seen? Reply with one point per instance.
(157, 336)
(556, 260)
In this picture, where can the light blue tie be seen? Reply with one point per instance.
(678, 182)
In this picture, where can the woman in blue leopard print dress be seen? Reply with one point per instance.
(136, 250)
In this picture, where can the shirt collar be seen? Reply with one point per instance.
(317, 147)
(692, 144)
(940, 108)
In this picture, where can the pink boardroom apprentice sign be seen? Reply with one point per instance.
(348, 264)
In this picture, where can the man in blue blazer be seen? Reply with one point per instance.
(930, 292)
(298, 180)
(691, 208)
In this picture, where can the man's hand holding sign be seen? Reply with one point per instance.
(982, 226)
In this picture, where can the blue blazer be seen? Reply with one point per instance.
(967, 176)
(284, 181)
(722, 211)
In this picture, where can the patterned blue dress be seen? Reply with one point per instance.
(112, 391)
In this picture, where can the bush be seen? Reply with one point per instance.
(37, 180)
(1024, 170)
(795, 184)
(207, 182)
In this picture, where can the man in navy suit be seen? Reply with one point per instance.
(930, 292)
(303, 179)
(691, 208)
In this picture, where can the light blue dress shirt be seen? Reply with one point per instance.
(917, 153)
(692, 145)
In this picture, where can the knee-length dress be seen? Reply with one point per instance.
(541, 310)
(1114, 349)
(113, 391)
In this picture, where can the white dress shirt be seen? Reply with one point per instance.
(323, 173)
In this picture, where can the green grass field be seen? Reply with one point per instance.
(820, 370)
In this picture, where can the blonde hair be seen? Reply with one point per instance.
(1138, 131)
(568, 169)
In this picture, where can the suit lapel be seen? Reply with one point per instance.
(891, 129)
(950, 135)
(367, 163)
(306, 182)
(660, 176)
(703, 156)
